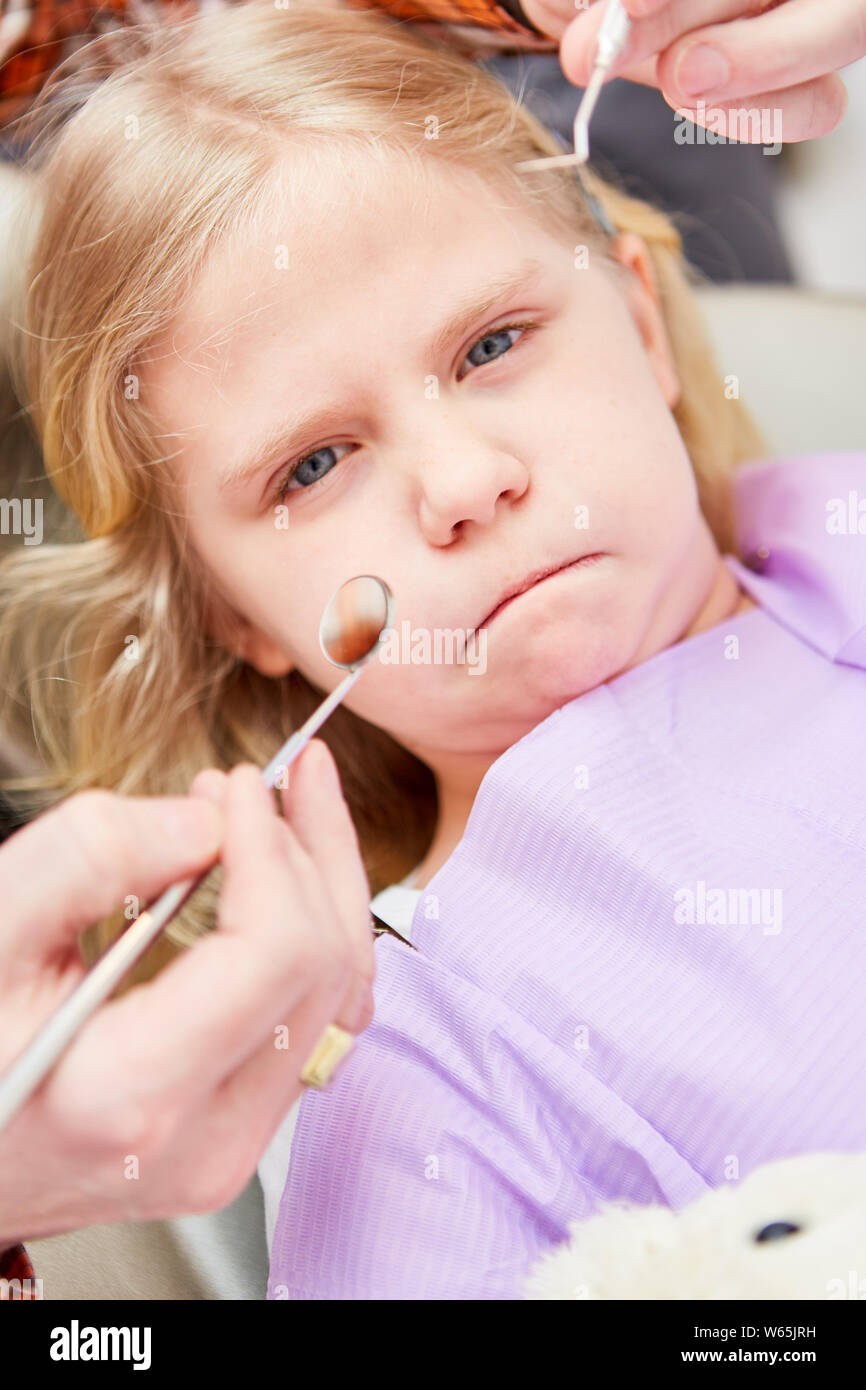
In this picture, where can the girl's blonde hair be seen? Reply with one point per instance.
(162, 143)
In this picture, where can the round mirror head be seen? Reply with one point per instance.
(354, 620)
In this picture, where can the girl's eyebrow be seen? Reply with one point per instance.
(480, 302)
(277, 441)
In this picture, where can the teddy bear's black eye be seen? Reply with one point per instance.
(776, 1230)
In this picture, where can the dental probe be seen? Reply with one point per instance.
(612, 36)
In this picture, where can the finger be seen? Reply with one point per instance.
(316, 809)
(78, 862)
(257, 1096)
(777, 44)
(326, 859)
(218, 1002)
(322, 845)
(262, 860)
(771, 52)
(799, 113)
(210, 783)
(647, 37)
(644, 72)
(238, 1118)
(640, 9)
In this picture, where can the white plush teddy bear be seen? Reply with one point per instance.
(794, 1228)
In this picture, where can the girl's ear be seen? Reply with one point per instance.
(247, 641)
(644, 302)
(262, 653)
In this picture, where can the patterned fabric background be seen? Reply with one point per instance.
(37, 35)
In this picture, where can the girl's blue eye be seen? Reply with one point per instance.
(491, 345)
(311, 468)
(307, 471)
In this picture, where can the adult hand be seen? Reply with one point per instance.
(165, 1100)
(727, 55)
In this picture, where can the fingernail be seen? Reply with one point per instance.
(210, 783)
(251, 782)
(702, 69)
(329, 768)
(197, 823)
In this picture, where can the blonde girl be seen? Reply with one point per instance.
(292, 315)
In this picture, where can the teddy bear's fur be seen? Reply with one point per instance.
(708, 1250)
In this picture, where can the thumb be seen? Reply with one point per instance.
(86, 856)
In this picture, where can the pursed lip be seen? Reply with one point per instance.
(534, 578)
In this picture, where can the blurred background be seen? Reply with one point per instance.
(822, 198)
(796, 216)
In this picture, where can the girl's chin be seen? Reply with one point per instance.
(562, 657)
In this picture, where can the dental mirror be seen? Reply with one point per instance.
(354, 620)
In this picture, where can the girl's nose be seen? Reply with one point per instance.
(461, 484)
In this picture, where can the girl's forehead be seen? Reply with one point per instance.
(370, 206)
(314, 253)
